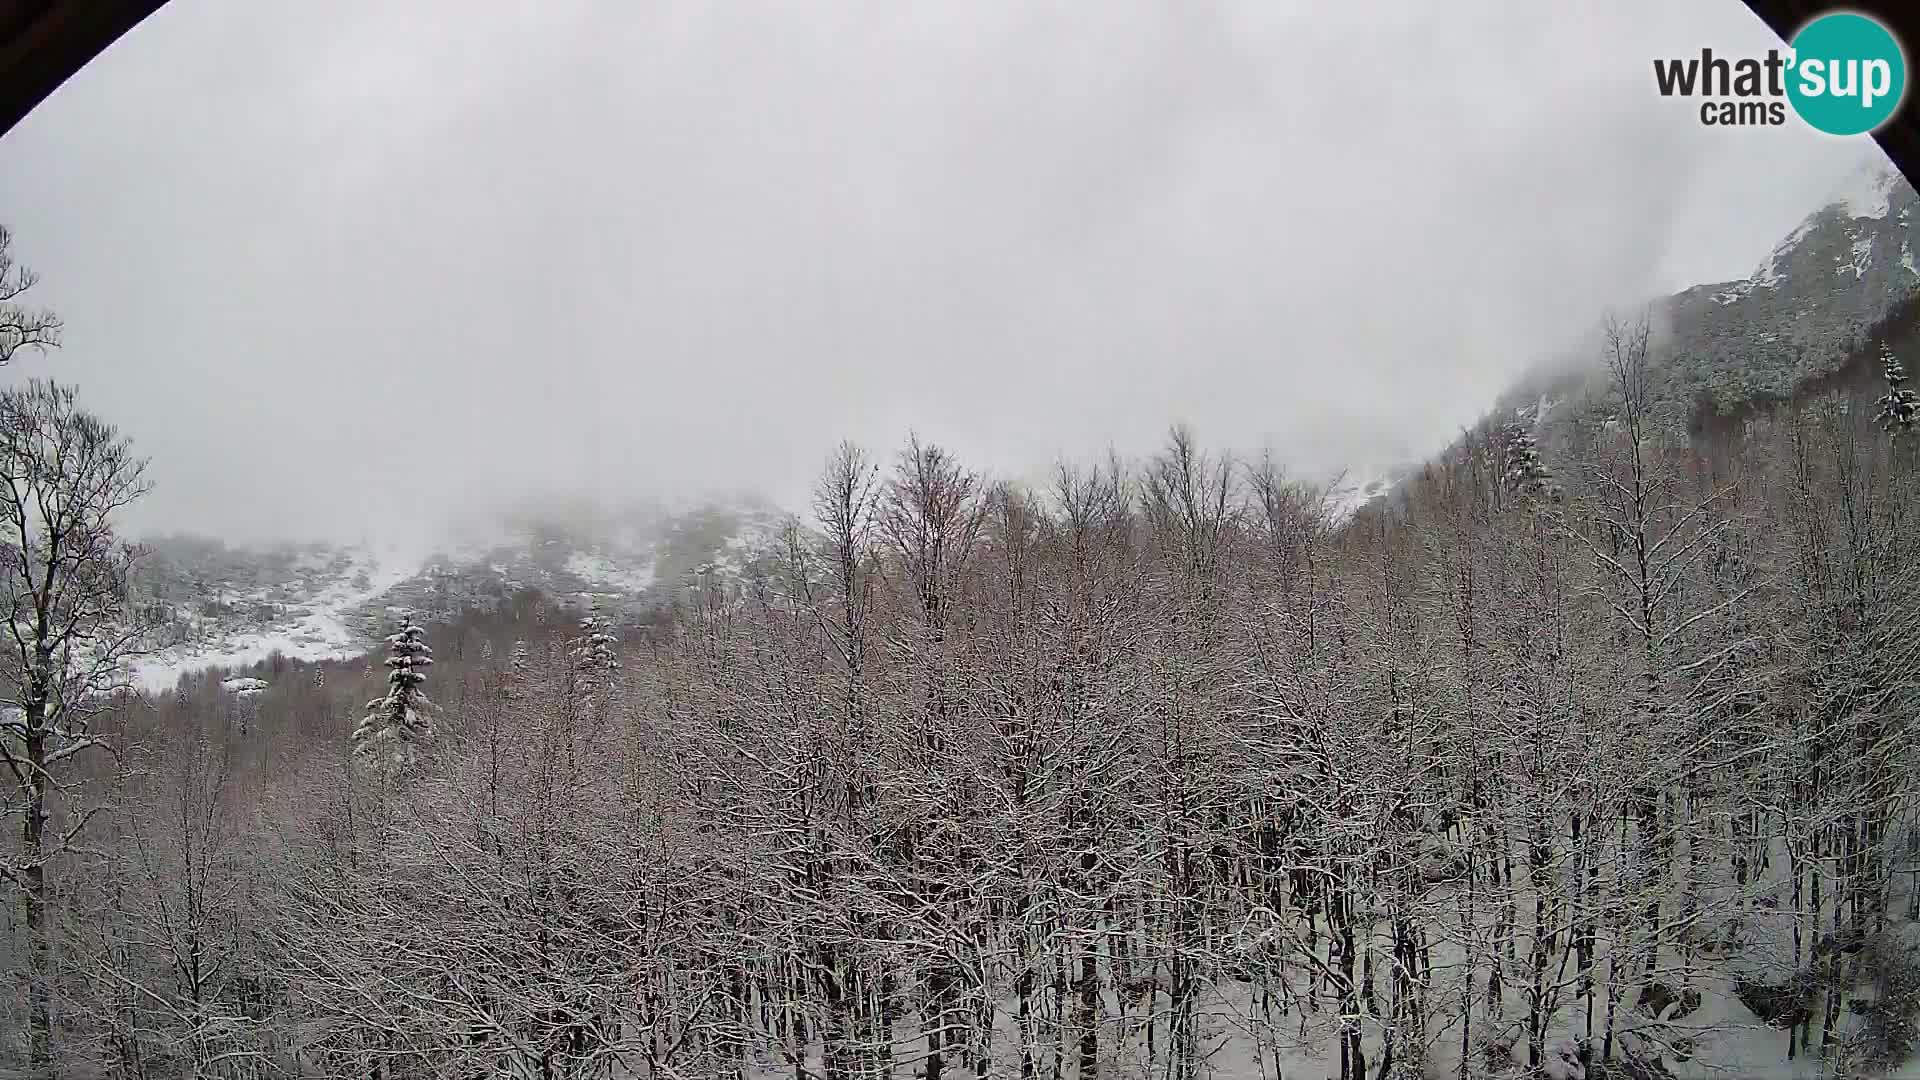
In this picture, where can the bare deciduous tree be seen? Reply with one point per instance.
(64, 474)
(21, 327)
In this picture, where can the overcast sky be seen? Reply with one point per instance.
(338, 268)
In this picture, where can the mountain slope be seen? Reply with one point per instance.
(1806, 305)
(1817, 295)
(217, 606)
(1795, 318)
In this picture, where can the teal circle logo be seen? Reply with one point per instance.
(1848, 74)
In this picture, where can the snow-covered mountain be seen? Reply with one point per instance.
(225, 607)
(220, 606)
(1817, 294)
(1800, 313)
(1809, 302)
(1361, 487)
(615, 558)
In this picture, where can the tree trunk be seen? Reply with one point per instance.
(1089, 1014)
(33, 898)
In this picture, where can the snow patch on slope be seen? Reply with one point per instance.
(1862, 250)
(1356, 490)
(1767, 274)
(1736, 290)
(1867, 191)
(315, 630)
(603, 573)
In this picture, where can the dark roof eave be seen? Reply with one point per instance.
(43, 42)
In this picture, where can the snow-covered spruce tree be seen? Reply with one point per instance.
(397, 721)
(594, 666)
(1898, 410)
(1526, 472)
(513, 682)
(593, 651)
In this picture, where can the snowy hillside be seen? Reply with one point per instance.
(311, 615)
(1817, 294)
(217, 606)
(1860, 211)
(617, 559)
(1358, 488)
(1814, 297)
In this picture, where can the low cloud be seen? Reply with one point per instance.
(343, 272)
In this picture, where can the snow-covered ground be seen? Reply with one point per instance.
(316, 629)
(603, 573)
(1866, 192)
(1357, 488)
(317, 608)
(1767, 274)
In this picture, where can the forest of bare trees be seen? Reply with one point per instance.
(1591, 759)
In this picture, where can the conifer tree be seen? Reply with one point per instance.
(1526, 472)
(1899, 408)
(398, 719)
(594, 665)
(593, 649)
(513, 681)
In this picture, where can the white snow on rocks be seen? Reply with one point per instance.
(1865, 193)
(1862, 250)
(1353, 491)
(315, 631)
(603, 573)
(1767, 274)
